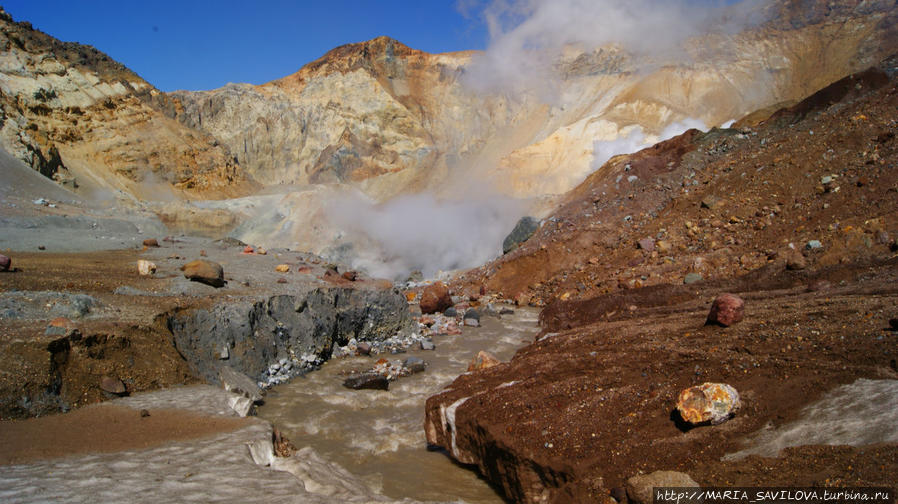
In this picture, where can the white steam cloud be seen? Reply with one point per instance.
(422, 232)
(528, 37)
(636, 139)
(531, 42)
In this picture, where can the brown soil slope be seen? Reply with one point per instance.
(723, 203)
(579, 411)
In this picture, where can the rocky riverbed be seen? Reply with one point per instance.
(377, 434)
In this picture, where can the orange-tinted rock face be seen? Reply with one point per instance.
(88, 122)
(392, 119)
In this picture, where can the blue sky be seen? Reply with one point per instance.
(206, 44)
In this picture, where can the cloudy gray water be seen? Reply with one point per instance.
(861, 413)
(379, 435)
(236, 466)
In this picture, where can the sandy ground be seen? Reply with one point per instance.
(103, 429)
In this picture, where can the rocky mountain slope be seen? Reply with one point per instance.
(391, 119)
(388, 120)
(796, 215)
(85, 120)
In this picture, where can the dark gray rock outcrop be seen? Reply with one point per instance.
(522, 232)
(301, 328)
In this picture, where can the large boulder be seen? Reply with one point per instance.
(203, 271)
(522, 232)
(708, 402)
(435, 298)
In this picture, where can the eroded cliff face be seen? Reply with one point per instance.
(79, 117)
(390, 119)
(376, 114)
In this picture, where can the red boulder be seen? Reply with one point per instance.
(726, 310)
(435, 298)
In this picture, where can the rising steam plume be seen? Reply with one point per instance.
(528, 38)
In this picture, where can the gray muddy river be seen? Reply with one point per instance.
(379, 435)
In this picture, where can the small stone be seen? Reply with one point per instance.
(225, 353)
(692, 278)
(435, 298)
(363, 348)
(708, 402)
(41, 247)
(712, 202)
(795, 261)
(819, 285)
(249, 250)
(619, 494)
(282, 446)
(203, 271)
(472, 322)
(60, 326)
(663, 246)
(150, 242)
(112, 385)
(483, 360)
(451, 312)
(145, 268)
(882, 237)
(144, 413)
(352, 276)
(415, 364)
(281, 280)
(56, 331)
(427, 345)
(282, 268)
(370, 381)
(646, 244)
(640, 488)
(5, 263)
(472, 314)
(813, 245)
(726, 310)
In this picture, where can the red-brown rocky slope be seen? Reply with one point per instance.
(592, 401)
